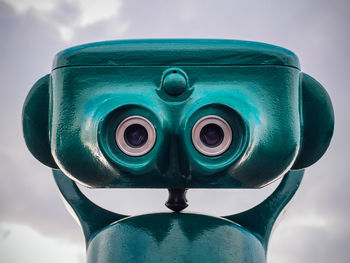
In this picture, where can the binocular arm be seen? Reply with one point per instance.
(261, 218)
(90, 216)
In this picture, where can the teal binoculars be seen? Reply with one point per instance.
(177, 114)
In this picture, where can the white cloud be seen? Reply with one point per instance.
(307, 220)
(89, 12)
(94, 11)
(66, 33)
(20, 243)
(22, 6)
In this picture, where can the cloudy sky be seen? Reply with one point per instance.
(34, 225)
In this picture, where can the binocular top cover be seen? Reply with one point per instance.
(191, 113)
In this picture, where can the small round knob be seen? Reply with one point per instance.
(174, 83)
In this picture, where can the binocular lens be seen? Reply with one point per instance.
(135, 135)
(211, 135)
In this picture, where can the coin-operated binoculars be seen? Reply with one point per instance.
(177, 114)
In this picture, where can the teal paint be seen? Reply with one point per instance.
(180, 237)
(281, 121)
(177, 237)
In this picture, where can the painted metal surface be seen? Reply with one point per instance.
(280, 121)
(177, 237)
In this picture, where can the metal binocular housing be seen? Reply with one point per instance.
(177, 114)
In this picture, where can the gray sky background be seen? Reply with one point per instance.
(34, 225)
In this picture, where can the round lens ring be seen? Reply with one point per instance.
(135, 136)
(211, 135)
